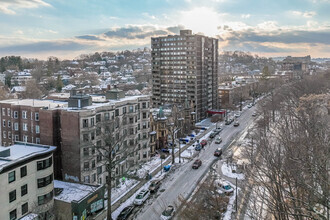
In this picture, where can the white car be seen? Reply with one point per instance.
(141, 197)
(249, 105)
(237, 115)
(168, 213)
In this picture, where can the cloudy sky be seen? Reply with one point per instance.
(68, 28)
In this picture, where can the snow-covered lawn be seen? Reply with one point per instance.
(227, 170)
(122, 189)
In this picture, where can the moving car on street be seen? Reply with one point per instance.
(142, 197)
(198, 147)
(236, 124)
(127, 211)
(218, 140)
(168, 213)
(218, 152)
(204, 143)
(197, 164)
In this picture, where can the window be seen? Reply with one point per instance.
(86, 137)
(92, 122)
(93, 164)
(144, 105)
(13, 215)
(144, 135)
(117, 112)
(25, 127)
(24, 190)
(99, 158)
(85, 123)
(98, 118)
(99, 170)
(9, 134)
(9, 124)
(86, 166)
(144, 125)
(36, 116)
(131, 131)
(16, 126)
(93, 135)
(43, 164)
(45, 198)
(16, 138)
(37, 129)
(25, 138)
(124, 110)
(144, 115)
(37, 140)
(15, 114)
(4, 134)
(12, 196)
(11, 177)
(106, 116)
(8, 111)
(86, 179)
(42, 182)
(131, 108)
(94, 177)
(24, 114)
(25, 208)
(98, 131)
(4, 123)
(86, 151)
(23, 171)
(131, 120)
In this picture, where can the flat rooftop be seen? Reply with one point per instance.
(51, 104)
(21, 151)
(72, 191)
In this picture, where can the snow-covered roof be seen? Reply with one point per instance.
(22, 151)
(73, 191)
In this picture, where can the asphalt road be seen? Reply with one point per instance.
(185, 179)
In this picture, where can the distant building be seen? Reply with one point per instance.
(26, 180)
(184, 67)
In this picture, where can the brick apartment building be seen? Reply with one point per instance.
(184, 67)
(75, 127)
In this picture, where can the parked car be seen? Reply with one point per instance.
(213, 134)
(227, 189)
(168, 213)
(237, 115)
(218, 152)
(154, 185)
(236, 124)
(254, 114)
(142, 197)
(229, 121)
(198, 147)
(197, 164)
(218, 140)
(165, 150)
(204, 143)
(249, 105)
(125, 213)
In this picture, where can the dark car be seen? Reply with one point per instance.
(218, 152)
(127, 211)
(213, 134)
(197, 164)
(154, 185)
(204, 143)
(198, 147)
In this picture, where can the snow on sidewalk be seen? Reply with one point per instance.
(228, 171)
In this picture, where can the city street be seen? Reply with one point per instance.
(185, 179)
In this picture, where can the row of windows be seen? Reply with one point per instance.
(25, 126)
(45, 198)
(24, 114)
(13, 214)
(44, 164)
(45, 181)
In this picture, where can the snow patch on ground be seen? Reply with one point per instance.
(228, 171)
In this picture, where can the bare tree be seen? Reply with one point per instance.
(32, 90)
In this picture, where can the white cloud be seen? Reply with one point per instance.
(147, 15)
(9, 6)
(245, 16)
(306, 14)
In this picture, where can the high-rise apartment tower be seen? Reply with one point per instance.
(185, 67)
